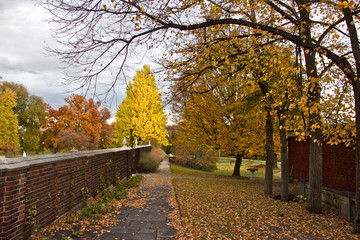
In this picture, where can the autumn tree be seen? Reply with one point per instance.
(32, 128)
(31, 114)
(9, 137)
(106, 128)
(273, 71)
(221, 106)
(203, 66)
(81, 119)
(73, 139)
(52, 129)
(153, 22)
(224, 120)
(141, 114)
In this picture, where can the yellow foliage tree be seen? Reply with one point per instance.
(141, 114)
(9, 136)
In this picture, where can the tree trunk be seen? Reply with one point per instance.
(356, 89)
(269, 145)
(314, 91)
(284, 160)
(237, 166)
(275, 166)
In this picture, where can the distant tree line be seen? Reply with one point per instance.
(27, 123)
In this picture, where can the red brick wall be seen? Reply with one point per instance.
(298, 156)
(55, 185)
(339, 167)
(13, 204)
(338, 164)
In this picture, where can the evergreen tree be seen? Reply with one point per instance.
(141, 114)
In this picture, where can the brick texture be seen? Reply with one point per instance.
(52, 189)
(339, 167)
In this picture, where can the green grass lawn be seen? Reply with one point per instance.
(223, 171)
(229, 160)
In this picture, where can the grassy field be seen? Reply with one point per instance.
(231, 161)
(219, 209)
(227, 160)
(223, 171)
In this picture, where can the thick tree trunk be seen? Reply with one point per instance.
(237, 166)
(269, 145)
(284, 160)
(315, 172)
(356, 89)
(314, 91)
(275, 165)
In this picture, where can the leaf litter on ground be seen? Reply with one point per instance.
(217, 209)
(82, 225)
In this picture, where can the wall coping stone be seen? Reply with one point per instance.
(20, 163)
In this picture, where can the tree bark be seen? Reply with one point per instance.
(314, 91)
(356, 89)
(269, 145)
(275, 165)
(284, 160)
(237, 166)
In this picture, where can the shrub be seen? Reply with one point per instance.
(158, 154)
(168, 149)
(147, 163)
(196, 157)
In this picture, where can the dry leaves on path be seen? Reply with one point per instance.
(91, 221)
(233, 210)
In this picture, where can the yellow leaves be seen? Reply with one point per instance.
(105, 7)
(9, 136)
(142, 110)
(237, 210)
(347, 70)
(343, 4)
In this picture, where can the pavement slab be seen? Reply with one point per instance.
(149, 222)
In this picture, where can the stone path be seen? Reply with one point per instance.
(149, 221)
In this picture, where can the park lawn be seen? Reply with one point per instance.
(223, 171)
(225, 160)
(229, 160)
(220, 209)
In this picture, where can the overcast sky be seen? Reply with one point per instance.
(24, 34)
(22, 56)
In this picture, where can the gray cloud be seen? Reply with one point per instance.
(23, 59)
(22, 55)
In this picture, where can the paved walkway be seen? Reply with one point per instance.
(148, 220)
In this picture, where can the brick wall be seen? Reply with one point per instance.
(52, 185)
(339, 167)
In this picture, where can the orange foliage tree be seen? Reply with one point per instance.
(83, 119)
